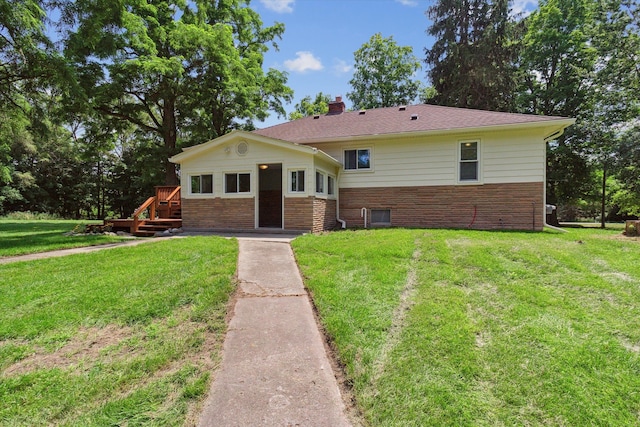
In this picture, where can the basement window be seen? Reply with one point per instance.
(380, 217)
(237, 182)
(202, 184)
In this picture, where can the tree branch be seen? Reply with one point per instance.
(128, 118)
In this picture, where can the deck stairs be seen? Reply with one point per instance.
(163, 212)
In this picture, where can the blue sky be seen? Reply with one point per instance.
(321, 36)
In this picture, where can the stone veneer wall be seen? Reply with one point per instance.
(324, 214)
(495, 206)
(298, 213)
(218, 213)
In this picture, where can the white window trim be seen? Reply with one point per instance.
(356, 170)
(289, 181)
(238, 194)
(478, 180)
(200, 195)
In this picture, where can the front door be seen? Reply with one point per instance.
(270, 195)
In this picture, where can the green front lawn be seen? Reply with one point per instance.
(127, 336)
(454, 327)
(19, 237)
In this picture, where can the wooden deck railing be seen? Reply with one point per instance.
(168, 202)
(174, 195)
(150, 203)
(165, 202)
(167, 192)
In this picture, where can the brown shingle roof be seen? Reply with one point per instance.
(393, 120)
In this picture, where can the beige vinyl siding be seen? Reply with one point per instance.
(505, 157)
(513, 159)
(218, 161)
(398, 163)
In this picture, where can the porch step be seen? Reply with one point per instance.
(150, 228)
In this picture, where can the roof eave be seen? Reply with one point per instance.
(328, 158)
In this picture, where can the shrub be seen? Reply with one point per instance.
(30, 216)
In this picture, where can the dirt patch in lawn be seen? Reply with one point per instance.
(621, 236)
(85, 346)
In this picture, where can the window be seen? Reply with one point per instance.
(319, 182)
(357, 159)
(237, 183)
(469, 161)
(331, 185)
(202, 184)
(380, 216)
(297, 181)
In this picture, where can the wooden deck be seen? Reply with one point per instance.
(164, 212)
(146, 227)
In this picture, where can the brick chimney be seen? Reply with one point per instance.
(337, 106)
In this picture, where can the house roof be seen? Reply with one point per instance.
(420, 118)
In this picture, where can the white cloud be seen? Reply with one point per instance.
(305, 61)
(524, 7)
(280, 6)
(341, 67)
(408, 2)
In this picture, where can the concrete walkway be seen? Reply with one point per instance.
(275, 370)
(82, 250)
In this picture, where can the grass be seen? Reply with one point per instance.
(19, 237)
(455, 327)
(127, 336)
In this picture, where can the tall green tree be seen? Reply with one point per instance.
(629, 168)
(384, 74)
(28, 65)
(557, 65)
(174, 69)
(16, 143)
(309, 107)
(472, 61)
(615, 92)
(27, 57)
(557, 59)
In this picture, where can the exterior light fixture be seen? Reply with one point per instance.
(263, 167)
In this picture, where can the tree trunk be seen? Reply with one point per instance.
(604, 195)
(169, 134)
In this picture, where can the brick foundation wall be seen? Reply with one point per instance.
(324, 214)
(495, 206)
(218, 213)
(298, 213)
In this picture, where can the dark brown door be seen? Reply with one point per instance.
(270, 195)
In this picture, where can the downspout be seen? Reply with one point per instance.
(544, 185)
(363, 213)
(341, 221)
